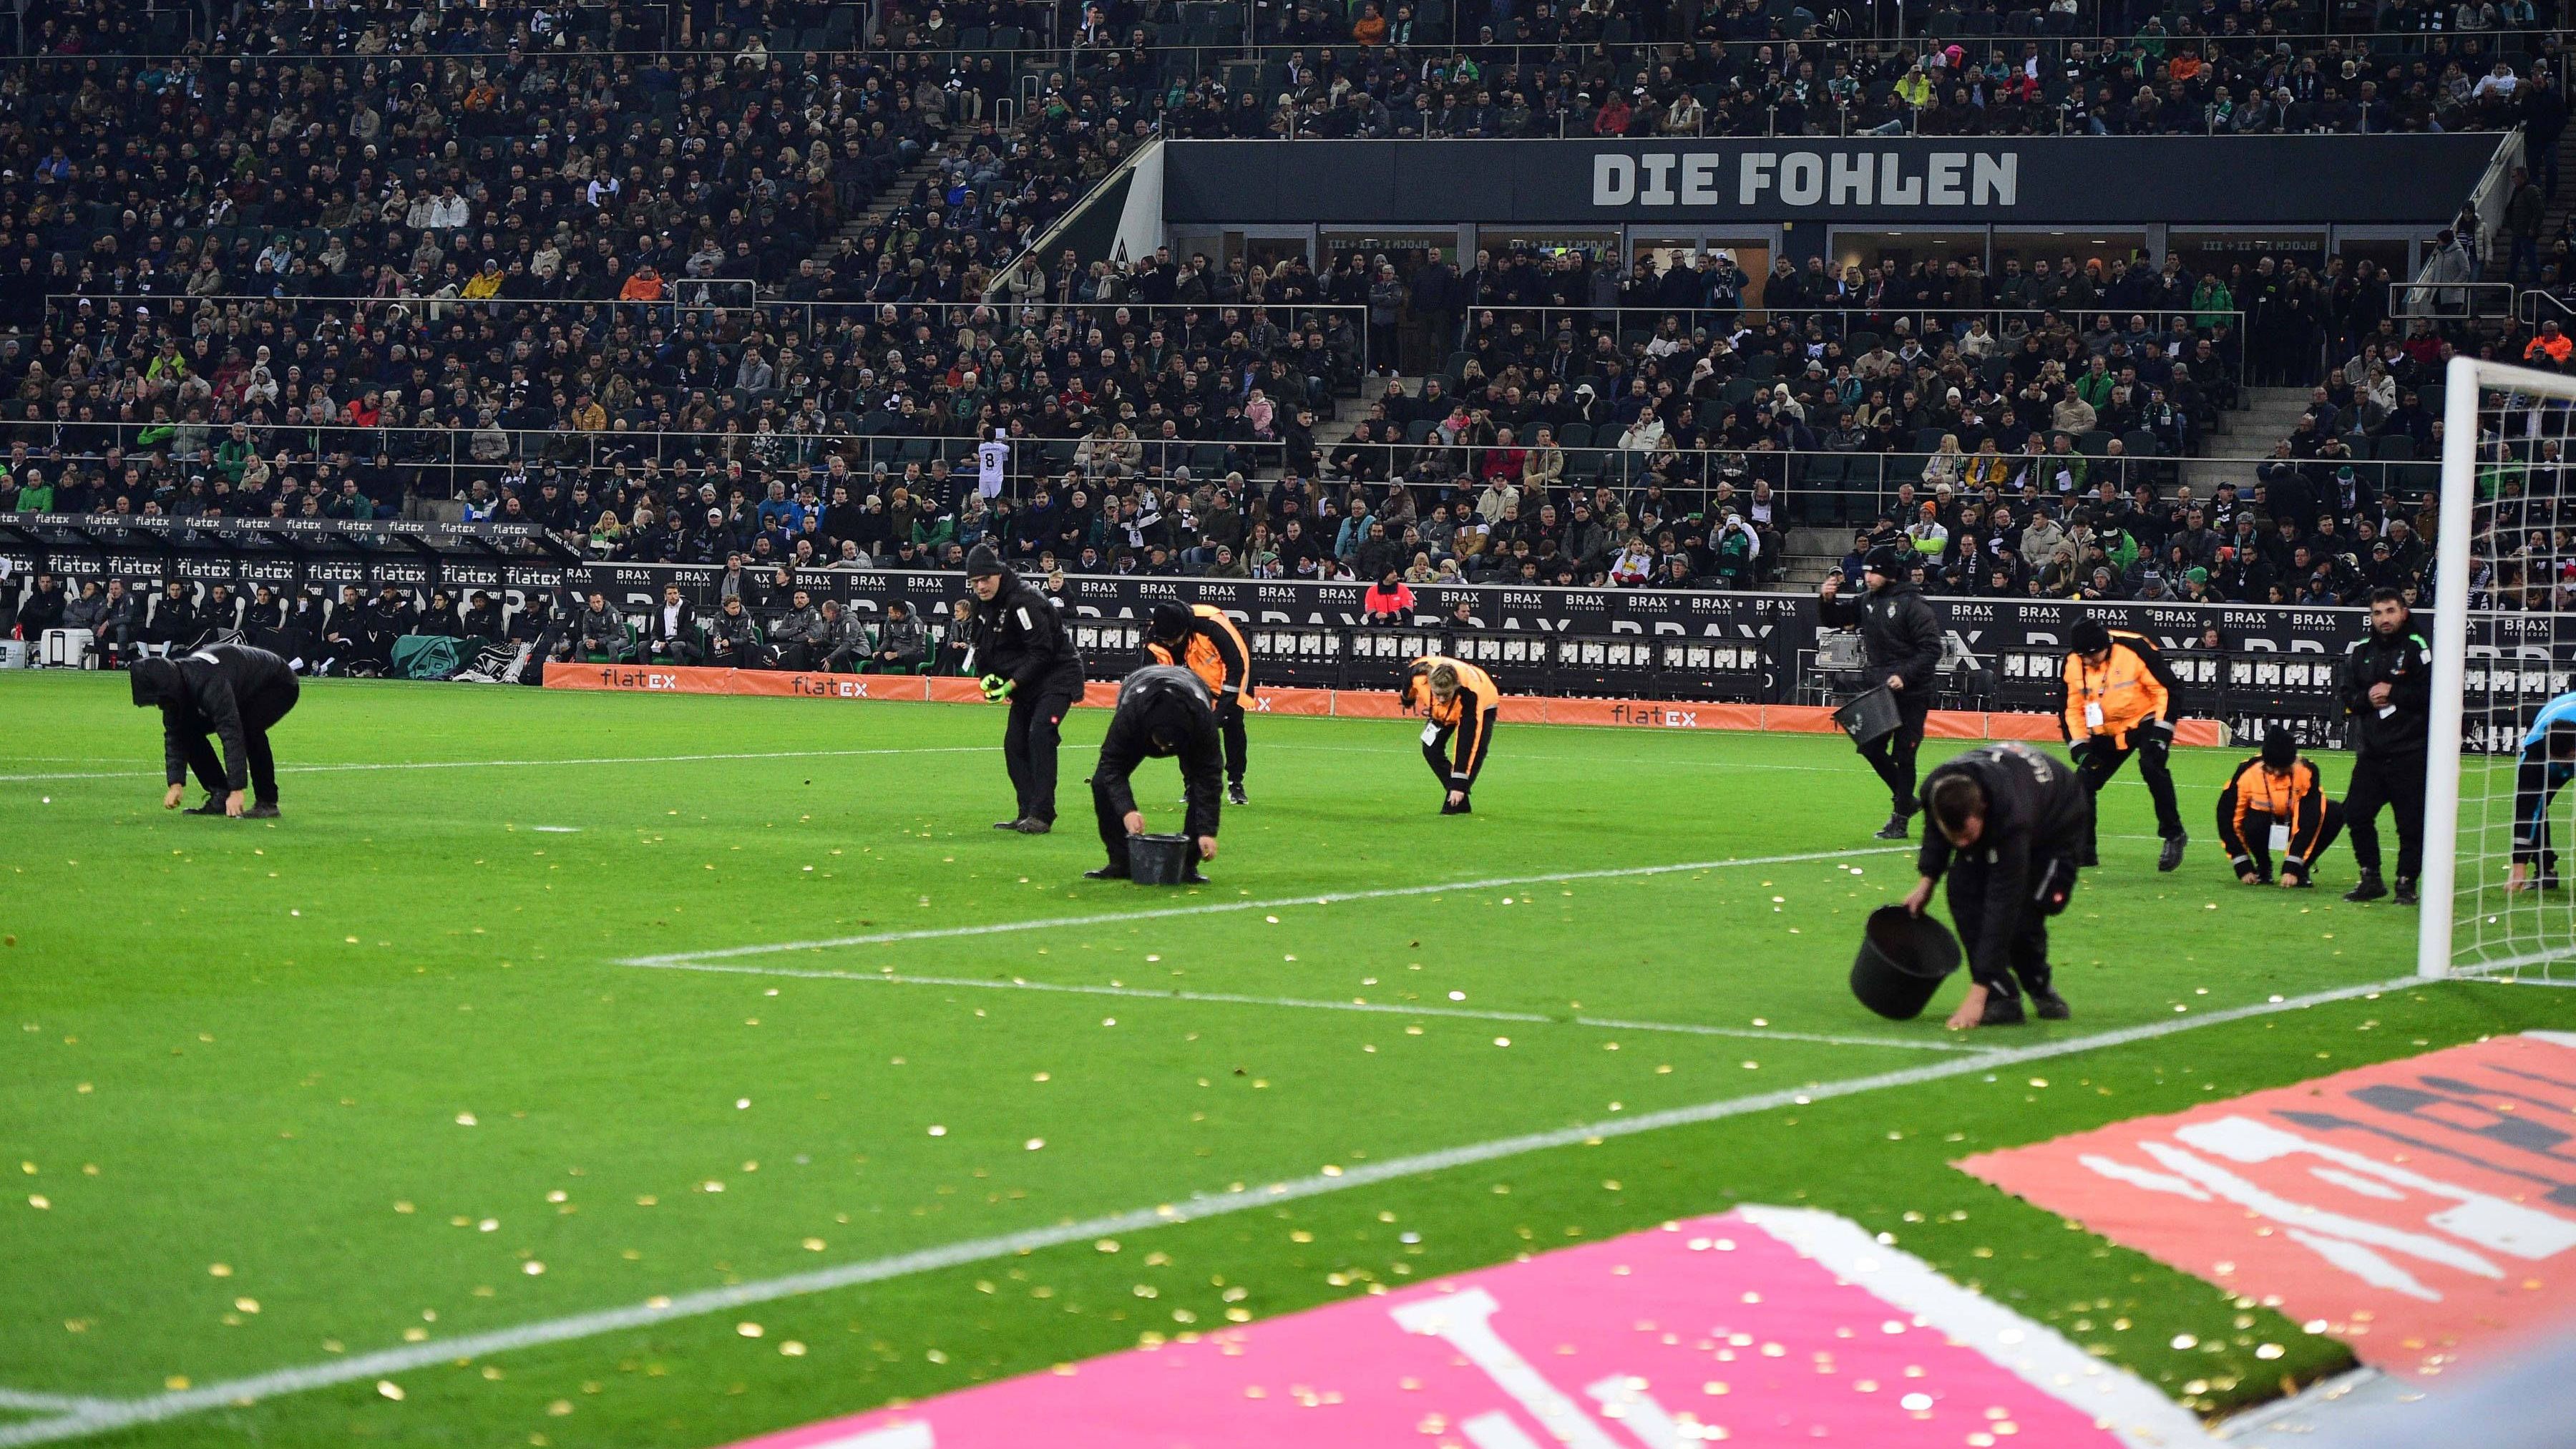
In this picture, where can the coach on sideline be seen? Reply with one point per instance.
(234, 691)
(1163, 711)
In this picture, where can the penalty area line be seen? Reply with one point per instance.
(102, 1417)
(1211, 908)
(1383, 1008)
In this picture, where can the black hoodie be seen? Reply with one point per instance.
(230, 689)
(1019, 636)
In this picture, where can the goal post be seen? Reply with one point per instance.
(2503, 431)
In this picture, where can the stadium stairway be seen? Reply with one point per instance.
(886, 202)
(2246, 436)
(2269, 415)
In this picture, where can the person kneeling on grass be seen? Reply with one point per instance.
(235, 692)
(2277, 802)
(1163, 712)
(2008, 824)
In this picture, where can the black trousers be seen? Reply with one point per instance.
(259, 713)
(1229, 724)
(2026, 950)
(2255, 844)
(2396, 781)
(1030, 741)
(2536, 782)
(1892, 754)
(1436, 751)
(2102, 760)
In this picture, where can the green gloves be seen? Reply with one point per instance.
(997, 689)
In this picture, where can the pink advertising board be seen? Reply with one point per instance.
(1762, 1326)
(2421, 1210)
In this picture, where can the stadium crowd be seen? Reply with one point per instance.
(384, 259)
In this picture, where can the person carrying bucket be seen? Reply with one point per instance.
(2007, 824)
(1900, 636)
(1163, 713)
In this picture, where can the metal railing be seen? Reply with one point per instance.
(408, 470)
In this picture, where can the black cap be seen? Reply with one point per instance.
(153, 680)
(1883, 560)
(2089, 637)
(2280, 750)
(982, 562)
(1171, 621)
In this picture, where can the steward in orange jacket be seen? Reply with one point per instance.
(1461, 702)
(1204, 640)
(2120, 702)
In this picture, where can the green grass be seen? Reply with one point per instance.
(249, 1044)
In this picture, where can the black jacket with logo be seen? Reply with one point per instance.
(2403, 663)
(1898, 632)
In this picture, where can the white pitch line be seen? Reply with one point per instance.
(1229, 998)
(1210, 908)
(384, 1363)
(513, 764)
(49, 1403)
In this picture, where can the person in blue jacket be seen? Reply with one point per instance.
(2548, 762)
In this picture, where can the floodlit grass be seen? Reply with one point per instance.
(294, 1091)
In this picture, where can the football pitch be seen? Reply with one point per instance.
(577, 1069)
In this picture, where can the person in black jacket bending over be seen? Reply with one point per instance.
(1163, 711)
(1901, 638)
(2388, 691)
(1025, 656)
(2008, 824)
(237, 693)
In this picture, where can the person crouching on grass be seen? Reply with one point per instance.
(237, 694)
(2277, 801)
(1462, 705)
(2007, 825)
(1164, 712)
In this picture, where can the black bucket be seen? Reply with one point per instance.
(1158, 859)
(1903, 960)
(1870, 716)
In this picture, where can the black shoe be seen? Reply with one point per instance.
(1192, 877)
(2369, 888)
(260, 812)
(2002, 1010)
(2301, 881)
(1034, 826)
(2171, 855)
(1894, 829)
(1234, 794)
(2405, 892)
(214, 806)
(1106, 873)
(2046, 1001)
(1448, 809)
(2549, 882)
(1011, 824)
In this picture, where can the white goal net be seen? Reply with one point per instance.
(2502, 611)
